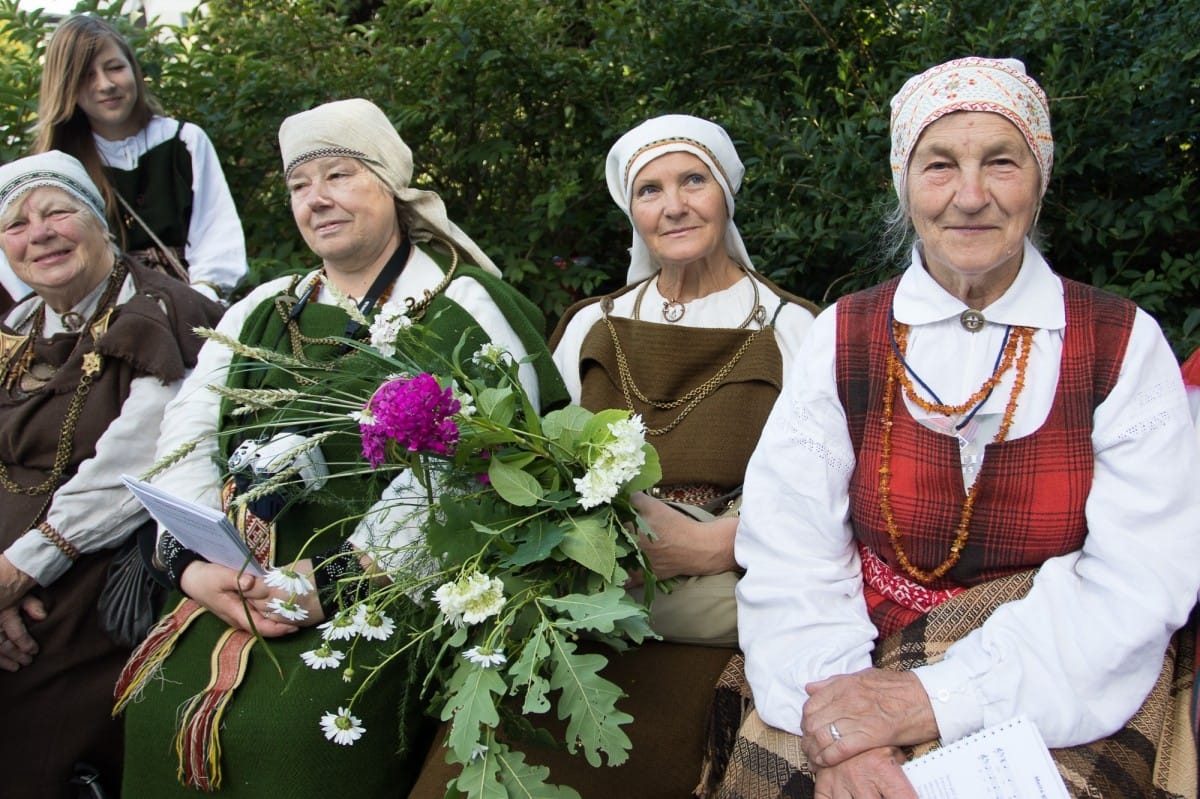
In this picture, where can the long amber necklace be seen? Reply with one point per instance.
(1015, 349)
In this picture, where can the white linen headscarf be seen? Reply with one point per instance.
(51, 168)
(357, 128)
(674, 133)
(996, 85)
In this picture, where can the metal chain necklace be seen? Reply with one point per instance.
(690, 400)
(93, 362)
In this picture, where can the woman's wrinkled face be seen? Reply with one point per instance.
(344, 212)
(973, 194)
(678, 208)
(108, 93)
(56, 245)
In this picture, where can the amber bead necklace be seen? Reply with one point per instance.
(1018, 342)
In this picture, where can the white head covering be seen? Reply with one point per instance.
(357, 128)
(999, 86)
(674, 133)
(51, 168)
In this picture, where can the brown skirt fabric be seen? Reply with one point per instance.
(57, 709)
(1152, 756)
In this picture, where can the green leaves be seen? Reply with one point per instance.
(588, 704)
(513, 484)
(502, 773)
(473, 692)
(599, 612)
(589, 542)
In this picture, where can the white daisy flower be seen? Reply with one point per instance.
(485, 657)
(289, 580)
(342, 727)
(341, 627)
(323, 657)
(287, 609)
(372, 624)
(362, 417)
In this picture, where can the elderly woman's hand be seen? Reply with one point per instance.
(854, 713)
(17, 646)
(14, 583)
(681, 545)
(873, 774)
(222, 591)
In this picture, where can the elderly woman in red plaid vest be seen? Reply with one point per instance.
(977, 500)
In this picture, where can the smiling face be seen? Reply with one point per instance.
(108, 93)
(56, 246)
(973, 193)
(678, 208)
(346, 216)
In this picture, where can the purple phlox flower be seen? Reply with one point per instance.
(414, 412)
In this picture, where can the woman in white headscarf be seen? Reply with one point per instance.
(997, 494)
(248, 729)
(88, 362)
(700, 345)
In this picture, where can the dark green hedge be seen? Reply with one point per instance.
(510, 106)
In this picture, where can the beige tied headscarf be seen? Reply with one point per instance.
(357, 128)
(674, 133)
(996, 85)
(51, 168)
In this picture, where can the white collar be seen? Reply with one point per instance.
(1035, 299)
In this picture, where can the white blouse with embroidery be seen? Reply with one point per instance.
(1080, 652)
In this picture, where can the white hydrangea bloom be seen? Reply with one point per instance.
(490, 354)
(391, 319)
(619, 461)
(471, 599)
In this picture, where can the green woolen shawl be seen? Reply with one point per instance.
(271, 741)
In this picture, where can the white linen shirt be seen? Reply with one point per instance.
(216, 246)
(727, 308)
(195, 413)
(93, 510)
(1080, 652)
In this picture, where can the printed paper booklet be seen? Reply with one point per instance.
(1008, 761)
(201, 529)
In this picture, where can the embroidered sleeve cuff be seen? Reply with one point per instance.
(339, 578)
(38, 557)
(174, 558)
(955, 704)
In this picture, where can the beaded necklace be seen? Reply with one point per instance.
(1016, 348)
(974, 402)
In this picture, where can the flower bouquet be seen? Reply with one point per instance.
(511, 530)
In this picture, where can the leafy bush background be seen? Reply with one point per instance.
(510, 107)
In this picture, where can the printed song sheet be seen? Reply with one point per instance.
(201, 529)
(1008, 761)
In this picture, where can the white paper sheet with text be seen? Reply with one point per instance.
(1008, 761)
(201, 529)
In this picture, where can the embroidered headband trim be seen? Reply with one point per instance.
(674, 140)
(324, 152)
